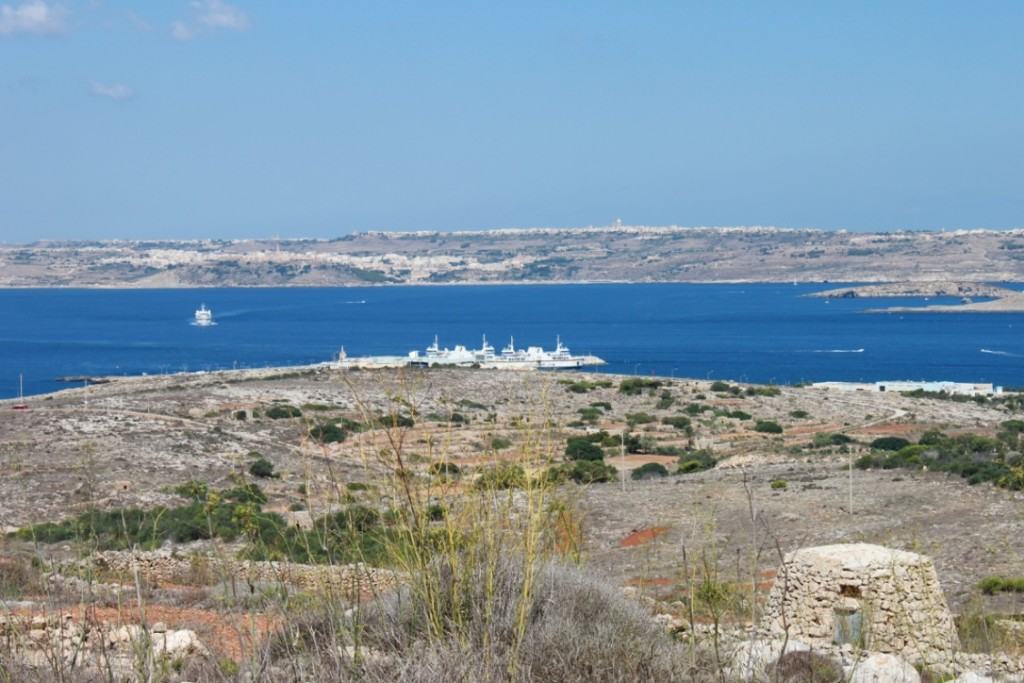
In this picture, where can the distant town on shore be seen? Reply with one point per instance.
(617, 253)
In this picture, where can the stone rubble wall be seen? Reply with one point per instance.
(902, 606)
(60, 641)
(163, 566)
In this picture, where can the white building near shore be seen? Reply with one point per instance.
(900, 386)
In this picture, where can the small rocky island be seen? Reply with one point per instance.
(999, 299)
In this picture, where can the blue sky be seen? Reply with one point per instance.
(208, 118)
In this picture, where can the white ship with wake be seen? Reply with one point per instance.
(509, 358)
(204, 317)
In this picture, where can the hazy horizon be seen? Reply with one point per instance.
(252, 119)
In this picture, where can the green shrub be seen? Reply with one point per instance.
(768, 427)
(240, 415)
(583, 386)
(1013, 426)
(590, 472)
(356, 517)
(906, 457)
(696, 408)
(194, 490)
(821, 440)
(763, 391)
(603, 405)
(976, 458)
(634, 444)
(739, 415)
(357, 486)
(590, 415)
(991, 585)
(696, 461)
(634, 419)
(649, 471)
(328, 432)
(393, 421)
(889, 443)
(262, 468)
(500, 443)
(932, 437)
(282, 411)
(502, 476)
(353, 534)
(779, 484)
(798, 414)
(634, 386)
(581, 448)
(665, 401)
(444, 469)
(680, 422)
(246, 493)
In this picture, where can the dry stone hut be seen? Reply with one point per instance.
(873, 597)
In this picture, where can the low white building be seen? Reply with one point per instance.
(900, 386)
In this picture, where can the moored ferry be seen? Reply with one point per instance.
(510, 357)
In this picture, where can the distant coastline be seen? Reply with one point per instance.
(612, 255)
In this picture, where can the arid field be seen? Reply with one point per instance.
(747, 474)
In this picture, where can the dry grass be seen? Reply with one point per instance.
(579, 629)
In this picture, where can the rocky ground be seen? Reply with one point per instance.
(126, 442)
(129, 442)
(970, 531)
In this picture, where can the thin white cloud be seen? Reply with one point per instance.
(138, 23)
(218, 14)
(34, 16)
(210, 15)
(181, 31)
(113, 91)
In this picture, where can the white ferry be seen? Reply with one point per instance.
(509, 358)
(204, 317)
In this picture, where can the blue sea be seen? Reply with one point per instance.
(755, 333)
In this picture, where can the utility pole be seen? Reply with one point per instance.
(849, 460)
(622, 454)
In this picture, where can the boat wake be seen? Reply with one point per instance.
(838, 351)
(1002, 353)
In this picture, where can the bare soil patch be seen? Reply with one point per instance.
(643, 536)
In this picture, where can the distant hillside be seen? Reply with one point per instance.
(640, 254)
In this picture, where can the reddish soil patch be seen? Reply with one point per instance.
(233, 635)
(889, 429)
(643, 536)
(813, 429)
